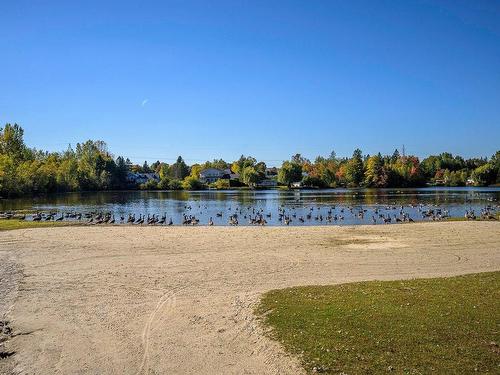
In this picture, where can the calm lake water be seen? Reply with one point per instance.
(341, 206)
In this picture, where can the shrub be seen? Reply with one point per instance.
(175, 184)
(149, 185)
(191, 183)
(164, 183)
(220, 184)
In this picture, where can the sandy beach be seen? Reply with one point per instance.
(179, 300)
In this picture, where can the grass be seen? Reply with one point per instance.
(426, 326)
(12, 224)
(460, 218)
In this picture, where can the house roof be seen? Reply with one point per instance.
(211, 171)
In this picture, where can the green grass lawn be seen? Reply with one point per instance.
(11, 224)
(427, 326)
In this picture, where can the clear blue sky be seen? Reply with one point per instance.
(208, 79)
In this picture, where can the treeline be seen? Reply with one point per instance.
(396, 170)
(90, 166)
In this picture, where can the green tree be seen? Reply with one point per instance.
(354, 169)
(289, 173)
(191, 183)
(375, 174)
(249, 176)
(164, 171)
(146, 168)
(242, 163)
(179, 170)
(12, 143)
(175, 184)
(485, 175)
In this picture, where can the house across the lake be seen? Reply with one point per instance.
(267, 183)
(209, 175)
(271, 172)
(141, 178)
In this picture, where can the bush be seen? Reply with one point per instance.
(175, 185)
(149, 185)
(164, 183)
(310, 181)
(191, 183)
(220, 184)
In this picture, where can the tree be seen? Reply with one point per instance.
(195, 170)
(191, 183)
(90, 166)
(179, 170)
(354, 169)
(11, 142)
(149, 185)
(175, 184)
(155, 167)
(9, 185)
(299, 159)
(289, 173)
(375, 175)
(395, 156)
(249, 176)
(146, 168)
(220, 184)
(485, 175)
(164, 183)
(121, 171)
(242, 163)
(164, 171)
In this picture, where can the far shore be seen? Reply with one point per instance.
(246, 188)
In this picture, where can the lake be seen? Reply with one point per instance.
(332, 206)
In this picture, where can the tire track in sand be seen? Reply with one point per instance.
(166, 302)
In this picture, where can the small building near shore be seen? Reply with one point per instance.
(137, 178)
(209, 175)
(271, 172)
(267, 183)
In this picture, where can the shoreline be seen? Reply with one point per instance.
(125, 299)
(15, 224)
(485, 188)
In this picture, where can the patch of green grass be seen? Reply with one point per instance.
(461, 218)
(426, 326)
(12, 224)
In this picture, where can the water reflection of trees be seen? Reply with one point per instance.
(146, 200)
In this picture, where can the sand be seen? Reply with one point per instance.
(175, 300)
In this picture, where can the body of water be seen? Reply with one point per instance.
(276, 207)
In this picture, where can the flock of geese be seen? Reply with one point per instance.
(285, 215)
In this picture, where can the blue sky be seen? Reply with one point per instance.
(206, 79)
